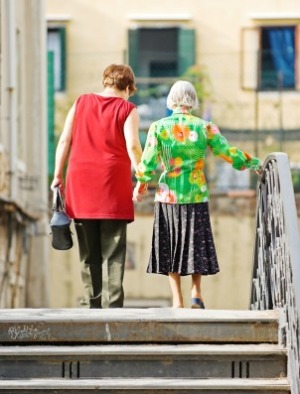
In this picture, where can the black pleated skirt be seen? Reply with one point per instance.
(182, 240)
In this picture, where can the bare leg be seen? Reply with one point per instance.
(196, 286)
(175, 284)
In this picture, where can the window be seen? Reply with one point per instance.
(269, 58)
(156, 53)
(56, 43)
(161, 52)
(158, 56)
(277, 58)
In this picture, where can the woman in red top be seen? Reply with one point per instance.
(100, 137)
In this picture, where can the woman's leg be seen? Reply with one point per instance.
(88, 235)
(113, 252)
(196, 288)
(175, 283)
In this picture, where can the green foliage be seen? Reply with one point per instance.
(198, 76)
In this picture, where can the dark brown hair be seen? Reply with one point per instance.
(119, 76)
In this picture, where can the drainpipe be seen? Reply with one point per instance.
(11, 90)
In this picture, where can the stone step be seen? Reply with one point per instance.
(136, 361)
(145, 386)
(153, 325)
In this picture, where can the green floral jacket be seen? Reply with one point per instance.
(179, 142)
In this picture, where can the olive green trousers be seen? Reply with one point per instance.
(102, 250)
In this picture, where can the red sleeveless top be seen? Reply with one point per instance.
(98, 180)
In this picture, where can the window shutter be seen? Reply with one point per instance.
(297, 56)
(133, 42)
(250, 58)
(50, 105)
(186, 49)
(62, 32)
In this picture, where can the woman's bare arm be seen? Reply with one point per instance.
(131, 133)
(63, 148)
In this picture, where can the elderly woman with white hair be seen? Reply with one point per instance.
(182, 242)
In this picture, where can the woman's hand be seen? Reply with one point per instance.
(57, 181)
(259, 171)
(139, 191)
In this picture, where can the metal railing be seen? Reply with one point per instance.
(276, 265)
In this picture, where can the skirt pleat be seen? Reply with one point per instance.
(182, 240)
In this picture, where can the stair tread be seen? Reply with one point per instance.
(153, 325)
(151, 383)
(153, 336)
(135, 314)
(181, 349)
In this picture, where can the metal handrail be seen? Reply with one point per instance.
(276, 260)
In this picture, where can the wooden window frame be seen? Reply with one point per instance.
(258, 63)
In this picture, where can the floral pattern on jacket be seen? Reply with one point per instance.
(179, 143)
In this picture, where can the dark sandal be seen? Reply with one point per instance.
(197, 303)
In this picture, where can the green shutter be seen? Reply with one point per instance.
(50, 104)
(133, 48)
(62, 33)
(186, 50)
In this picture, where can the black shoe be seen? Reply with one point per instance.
(197, 303)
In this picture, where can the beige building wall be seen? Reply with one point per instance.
(97, 36)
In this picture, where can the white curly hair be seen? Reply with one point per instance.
(182, 94)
